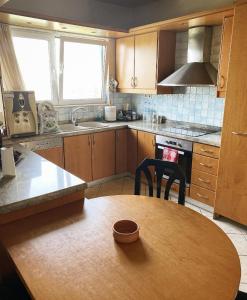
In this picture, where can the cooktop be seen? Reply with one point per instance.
(189, 130)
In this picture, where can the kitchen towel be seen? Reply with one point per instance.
(170, 154)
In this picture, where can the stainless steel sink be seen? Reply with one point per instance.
(71, 127)
(93, 125)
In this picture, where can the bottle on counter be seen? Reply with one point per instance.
(8, 162)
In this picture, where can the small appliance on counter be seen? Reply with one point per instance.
(47, 117)
(21, 113)
(110, 113)
(129, 115)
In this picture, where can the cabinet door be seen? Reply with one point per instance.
(146, 146)
(125, 62)
(78, 156)
(103, 154)
(54, 155)
(225, 55)
(146, 60)
(121, 151)
(132, 151)
(231, 193)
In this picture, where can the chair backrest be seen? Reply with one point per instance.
(161, 167)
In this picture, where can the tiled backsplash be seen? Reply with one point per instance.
(196, 105)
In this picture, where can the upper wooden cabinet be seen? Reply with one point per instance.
(231, 192)
(144, 60)
(224, 56)
(54, 155)
(125, 59)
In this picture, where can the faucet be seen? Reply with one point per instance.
(73, 114)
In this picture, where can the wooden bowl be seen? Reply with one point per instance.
(125, 231)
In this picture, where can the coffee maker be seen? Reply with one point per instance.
(20, 113)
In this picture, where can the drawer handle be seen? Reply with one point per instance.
(240, 133)
(207, 151)
(207, 166)
(204, 181)
(201, 196)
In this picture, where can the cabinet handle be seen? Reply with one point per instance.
(132, 81)
(207, 166)
(93, 139)
(201, 196)
(222, 81)
(135, 82)
(153, 143)
(207, 151)
(240, 133)
(204, 181)
(89, 142)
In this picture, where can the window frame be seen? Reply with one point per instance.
(49, 37)
(82, 40)
(56, 76)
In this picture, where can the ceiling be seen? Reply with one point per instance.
(128, 3)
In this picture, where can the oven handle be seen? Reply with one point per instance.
(179, 152)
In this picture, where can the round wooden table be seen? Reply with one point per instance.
(71, 254)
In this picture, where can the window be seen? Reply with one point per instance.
(65, 70)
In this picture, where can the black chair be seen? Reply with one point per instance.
(241, 296)
(161, 167)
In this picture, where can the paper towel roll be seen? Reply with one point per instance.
(8, 162)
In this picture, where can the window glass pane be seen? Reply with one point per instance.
(33, 58)
(83, 73)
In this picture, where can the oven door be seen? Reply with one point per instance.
(184, 160)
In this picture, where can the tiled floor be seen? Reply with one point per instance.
(237, 233)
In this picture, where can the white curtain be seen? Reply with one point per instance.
(11, 75)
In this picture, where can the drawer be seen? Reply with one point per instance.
(206, 150)
(204, 180)
(203, 195)
(205, 164)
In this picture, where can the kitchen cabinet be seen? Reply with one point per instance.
(78, 156)
(224, 56)
(132, 148)
(146, 145)
(144, 60)
(92, 156)
(121, 150)
(103, 154)
(205, 164)
(231, 192)
(54, 155)
(125, 60)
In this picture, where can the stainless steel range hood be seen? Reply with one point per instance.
(198, 71)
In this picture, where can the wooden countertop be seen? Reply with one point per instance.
(69, 253)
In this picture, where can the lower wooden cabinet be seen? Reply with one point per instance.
(54, 155)
(132, 144)
(204, 173)
(78, 156)
(103, 154)
(146, 145)
(121, 150)
(90, 157)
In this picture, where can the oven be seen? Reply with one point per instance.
(184, 152)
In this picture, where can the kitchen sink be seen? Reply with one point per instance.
(93, 125)
(71, 127)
